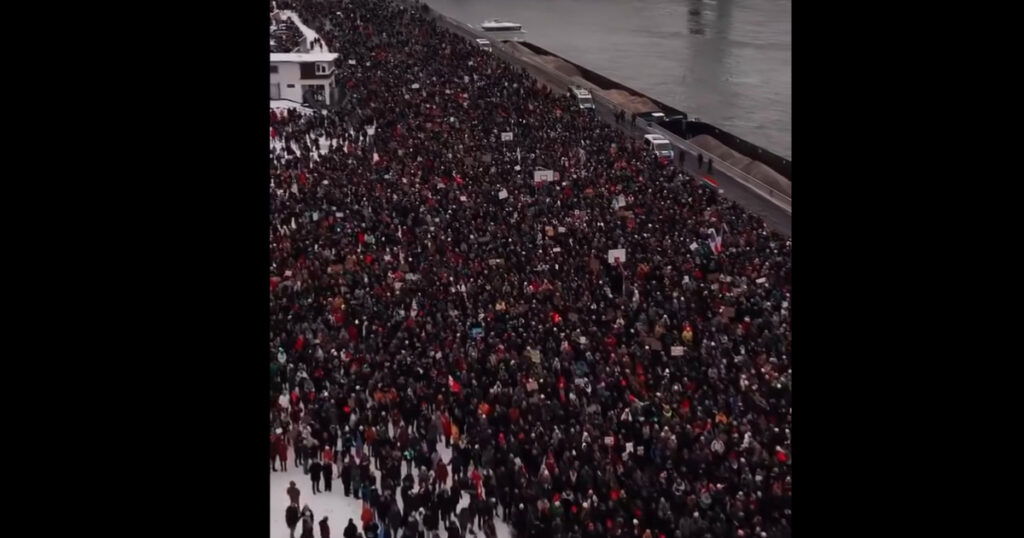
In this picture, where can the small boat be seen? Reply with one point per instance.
(497, 25)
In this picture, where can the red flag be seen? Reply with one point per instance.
(454, 385)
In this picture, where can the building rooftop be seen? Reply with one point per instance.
(303, 56)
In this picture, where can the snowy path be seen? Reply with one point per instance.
(306, 30)
(335, 505)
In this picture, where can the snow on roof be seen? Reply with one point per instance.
(285, 103)
(303, 56)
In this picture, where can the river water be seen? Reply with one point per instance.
(728, 62)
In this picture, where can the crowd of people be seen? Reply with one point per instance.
(426, 291)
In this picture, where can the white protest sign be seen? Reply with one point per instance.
(546, 176)
(677, 351)
(502, 194)
(619, 201)
(506, 137)
(617, 254)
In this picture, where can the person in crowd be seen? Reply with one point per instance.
(306, 516)
(350, 530)
(325, 529)
(346, 476)
(315, 469)
(293, 494)
(291, 518)
(327, 472)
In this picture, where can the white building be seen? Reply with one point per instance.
(303, 77)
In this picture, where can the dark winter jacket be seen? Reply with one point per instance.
(291, 516)
(307, 527)
(350, 530)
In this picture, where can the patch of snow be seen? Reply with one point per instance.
(285, 103)
(336, 506)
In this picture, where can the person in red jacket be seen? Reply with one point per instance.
(446, 427)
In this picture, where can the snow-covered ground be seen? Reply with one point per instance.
(335, 505)
(306, 30)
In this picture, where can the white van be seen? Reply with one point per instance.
(583, 98)
(658, 145)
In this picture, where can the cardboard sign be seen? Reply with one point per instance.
(502, 194)
(617, 253)
(532, 385)
(561, 229)
(761, 280)
(556, 249)
(677, 351)
(609, 440)
(506, 137)
(545, 176)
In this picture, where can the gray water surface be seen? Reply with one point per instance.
(727, 61)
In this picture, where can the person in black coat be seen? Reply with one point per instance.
(430, 520)
(350, 530)
(325, 530)
(407, 501)
(465, 519)
(314, 474)
(346, 477)
(328, 472)
(291, 518)
(484, 511)
(307, 527)
(371, 529)
(453, 529)
(394, 519)
(442, 503)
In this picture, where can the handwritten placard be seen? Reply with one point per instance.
(543, 176)
(617, 254)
